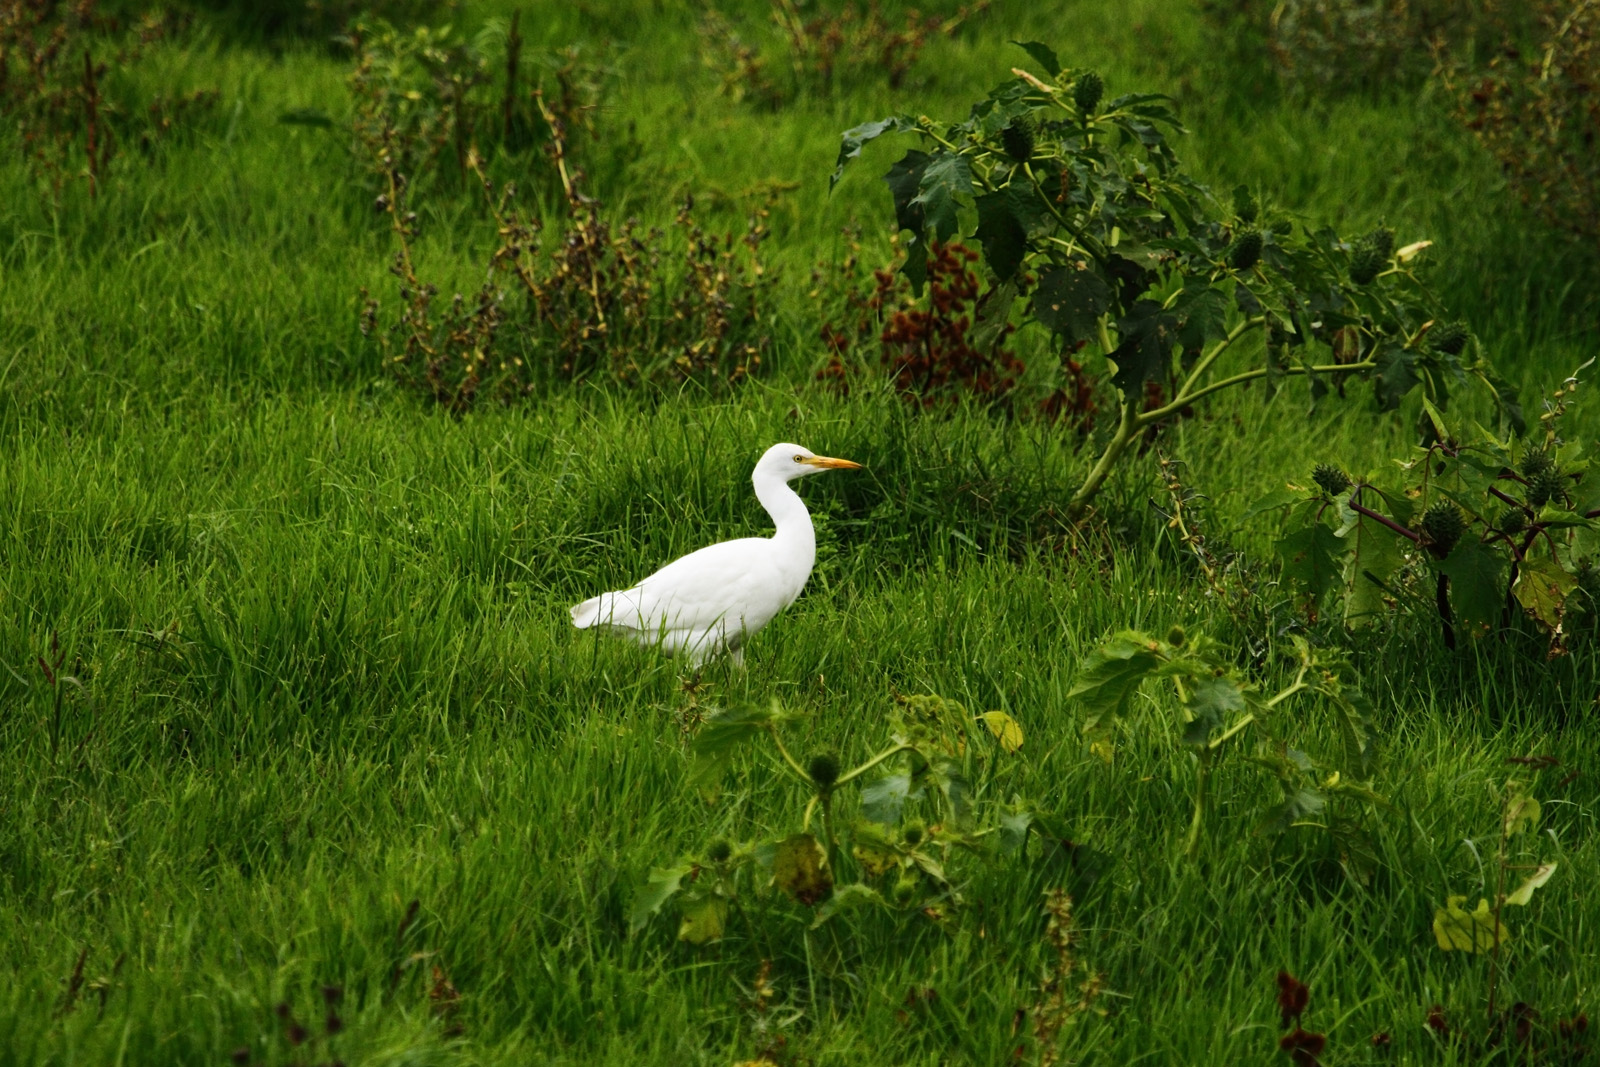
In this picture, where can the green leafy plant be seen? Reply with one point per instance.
(1083, 202)
(889, 834)
(1482, 930)
(1492, 525)
(1221, 710)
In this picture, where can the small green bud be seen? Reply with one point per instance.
(1176, 637)
(1087, 93)
(1450, 338)
(1534, 462)
(720, 850)
(905, 890)
(1545, 486)
(1512, 521)
(1371, 255)
(1443, 525)
(1246, 250)
(913, 832)
(824, 769)
(1018, 140)
(1332, 480)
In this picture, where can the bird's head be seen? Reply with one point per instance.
(788, 462)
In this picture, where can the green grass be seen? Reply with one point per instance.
(326, 667)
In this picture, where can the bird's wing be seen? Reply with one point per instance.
(721, 584)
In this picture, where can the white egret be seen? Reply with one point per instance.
(715, 599)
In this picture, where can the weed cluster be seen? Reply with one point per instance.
(428, 100)
(845, 45)
(55, 91)
(949, 348)
(597, 300)
(1535, 105)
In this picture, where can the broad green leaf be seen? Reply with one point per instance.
(848, 898)
(1312, 560)
(1014, 830)
(1005, 729)
(800, 869)
(1145, 341)
(1542, 588)
(992, 315)
(1355, 732)
(1396, 375)
(883, 800)
(905, 182)
(720, 734)
(945, 179)
(1004, 240)
(1376, 553)
(1111, 675)
(946, 776)
(1042, 54)
(1202, 313)
(1070, 302)
(1275, 501)
(1297, 804)
(1524, 892)
(703, 920)
(663, 884)
(1457, 929)
(1477, 585)
(1211, 701)
(853, 140)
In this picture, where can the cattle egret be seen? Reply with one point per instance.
(714, 600)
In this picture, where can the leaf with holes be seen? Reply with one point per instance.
(800, 869)
(1070, 302)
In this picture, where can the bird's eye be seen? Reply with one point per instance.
(799, 459)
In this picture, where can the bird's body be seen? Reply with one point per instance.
(715, 599)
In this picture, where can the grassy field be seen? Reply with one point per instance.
(326, 668)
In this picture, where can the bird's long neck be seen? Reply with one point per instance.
(789, 515)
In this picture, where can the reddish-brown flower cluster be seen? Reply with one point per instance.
(1074, 402)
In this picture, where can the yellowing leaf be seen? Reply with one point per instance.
(703, 921)
(800, 869)
(1104, 750)
(1522, 811)
(1460, 930)
(1524, 892)
(1542, 588)
(1005, 729)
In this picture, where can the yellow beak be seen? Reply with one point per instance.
(829, 463)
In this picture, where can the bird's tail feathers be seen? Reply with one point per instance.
(608, 609)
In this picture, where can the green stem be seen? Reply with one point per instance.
(1192, 848)
(1184, 401)
(784, 752)
(1127, 428)
(871, 763)
(1222, 346)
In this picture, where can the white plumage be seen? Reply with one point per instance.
(714, 600)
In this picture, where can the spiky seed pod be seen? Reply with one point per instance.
(912, 833)
(1451, 338)
(1512, 521)
(1087, 93)
(824, 769)
(1534, 462)
(1332, 480)
(719, 851)
(1443, 525)
(1176, 637)
(1245, 251)
(905, 890)
(1018, 140)
(1370, 255)
(1545, 486)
